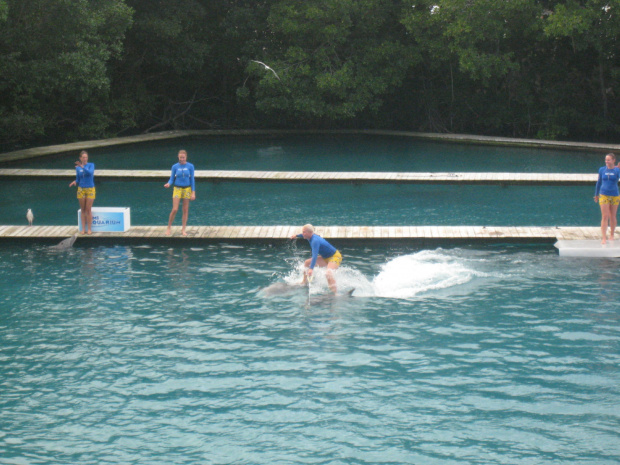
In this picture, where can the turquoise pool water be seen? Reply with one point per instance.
(257, 203)
(209, 354)
(159, 355)
(330, 153)
(54, 203)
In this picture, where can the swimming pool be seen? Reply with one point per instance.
(207, 353)
(54, 203)
(268, 204)
(328, 153)
(159, 355)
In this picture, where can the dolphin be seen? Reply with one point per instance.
(329, 296)
(282, 288)
(64, 244)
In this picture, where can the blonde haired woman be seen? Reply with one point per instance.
(607, 196)
(182, 178)
(85, 180)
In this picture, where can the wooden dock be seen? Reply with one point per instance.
(328, 177)
(522, 234)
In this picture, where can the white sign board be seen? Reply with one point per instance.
(108, 219)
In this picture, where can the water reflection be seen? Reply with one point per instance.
(178, 264)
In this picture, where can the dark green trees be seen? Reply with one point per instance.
(72, 69)
(54, 58)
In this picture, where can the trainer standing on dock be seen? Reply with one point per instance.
(607, 195)
(85, 180)
(323, 254)
(182, 178)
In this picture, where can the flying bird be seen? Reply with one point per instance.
(29, 216)
(267, 67)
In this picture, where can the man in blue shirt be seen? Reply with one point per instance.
(323, 254)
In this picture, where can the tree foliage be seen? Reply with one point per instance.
(72, 69)
(54, 57)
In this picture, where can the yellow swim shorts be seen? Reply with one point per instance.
(86, 193)
(336, 258)
(608, 200)
(182, 193)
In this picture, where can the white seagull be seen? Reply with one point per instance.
(267, 67)
(29, 216)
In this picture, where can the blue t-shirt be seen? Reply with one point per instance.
(607, 183)
(319, 246)
(85, 176)
(182, 176)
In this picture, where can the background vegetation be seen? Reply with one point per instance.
(80, 69)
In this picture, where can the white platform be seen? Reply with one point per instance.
(588, 248)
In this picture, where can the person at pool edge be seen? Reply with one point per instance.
(85, 180)
(182, 178)
(607, 196)
(323, 254)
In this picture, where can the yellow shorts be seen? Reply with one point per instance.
(86, 193)
(608, 200)
(336, 258)
(182, 193)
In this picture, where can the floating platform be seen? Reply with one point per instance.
(462, 234)
(327, 177)
(589, 248)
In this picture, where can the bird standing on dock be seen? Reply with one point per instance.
(29, 217)
(267, 67)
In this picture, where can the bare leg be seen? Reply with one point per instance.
(89, 214)
(185, 215)
(613, 221)
(304, 281)
(83, 216)
(331, 281)
(173, 213)
(605, 217)
(329, 273)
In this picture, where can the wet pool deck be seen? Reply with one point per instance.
(325, 177)
(520, 234)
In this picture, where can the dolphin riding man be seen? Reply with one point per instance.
(323, 255)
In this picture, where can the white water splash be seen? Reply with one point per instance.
(403, 277)
(411, 275)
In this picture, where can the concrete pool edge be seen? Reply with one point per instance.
(35, 152)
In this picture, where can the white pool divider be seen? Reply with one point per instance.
(592, 249)
(109, 219)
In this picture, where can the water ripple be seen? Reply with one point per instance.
(159, 355)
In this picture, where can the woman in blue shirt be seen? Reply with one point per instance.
(182, 178)
(85, 180)
(607, 195)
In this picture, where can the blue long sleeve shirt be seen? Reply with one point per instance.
(182, 176)
(85, 176)
(319, 246)
(607, 183)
